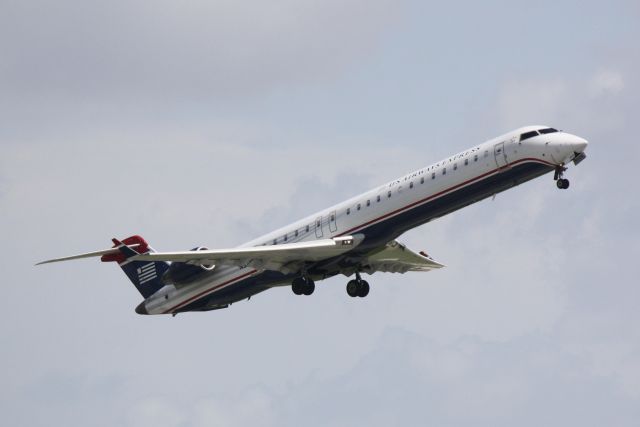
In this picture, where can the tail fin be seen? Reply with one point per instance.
(145, 275)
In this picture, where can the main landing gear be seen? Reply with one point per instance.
(561, 183)
(358, 287)
(303, 286)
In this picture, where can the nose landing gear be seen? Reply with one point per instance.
(358, 287)
(561, 183)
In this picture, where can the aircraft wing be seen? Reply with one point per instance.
(272, 257)
(397, 258)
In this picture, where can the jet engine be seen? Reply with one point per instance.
(180, 273)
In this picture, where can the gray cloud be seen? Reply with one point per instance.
(165, 51)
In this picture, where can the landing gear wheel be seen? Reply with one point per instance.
(352, 288)
(363, 289)
(309, 287)
(303, 286)
(562, 183)
(298, 286)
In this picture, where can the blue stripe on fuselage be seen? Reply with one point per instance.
(380, 233)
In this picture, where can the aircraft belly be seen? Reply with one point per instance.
(377, 235)
(382, 232)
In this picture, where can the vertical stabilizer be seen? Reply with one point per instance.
(145, 275)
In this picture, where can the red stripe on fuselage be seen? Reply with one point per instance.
(441, 193)
(383, 217)
(208, 291)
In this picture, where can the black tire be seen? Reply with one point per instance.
(297, 286)
(565, 185)
(363, 289)
(309, 287)
(352, 288)
(560, 184)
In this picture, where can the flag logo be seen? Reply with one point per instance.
(147, 273)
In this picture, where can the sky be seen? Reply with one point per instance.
(213, 122)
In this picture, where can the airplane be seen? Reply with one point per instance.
(351, 238)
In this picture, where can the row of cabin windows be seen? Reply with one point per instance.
(296, 233)
(378, 198)
(433, 176)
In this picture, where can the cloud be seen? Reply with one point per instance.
(405, 378)
(252, 407)
(212, 123)
(160, 412)
(606, 82)
(166, 52)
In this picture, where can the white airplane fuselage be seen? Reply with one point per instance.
(383, 213)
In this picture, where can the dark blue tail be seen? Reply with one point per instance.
(145, 275)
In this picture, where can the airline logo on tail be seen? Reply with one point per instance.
(147, 273)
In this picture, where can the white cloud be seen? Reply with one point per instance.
(606, 83)
(595, 101)
(155, 412)
(252, 407)
(531, 102)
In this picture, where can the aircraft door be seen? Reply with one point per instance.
(319, 227)
(333, 227)
(500, 155)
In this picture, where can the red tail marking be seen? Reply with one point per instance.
(142, 247)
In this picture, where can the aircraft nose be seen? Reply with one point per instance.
(578, 144)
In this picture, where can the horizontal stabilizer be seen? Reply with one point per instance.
(109, 251)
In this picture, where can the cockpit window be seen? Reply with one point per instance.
(528, 135)
(548, 130)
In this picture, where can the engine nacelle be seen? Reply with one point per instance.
(182, 273)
